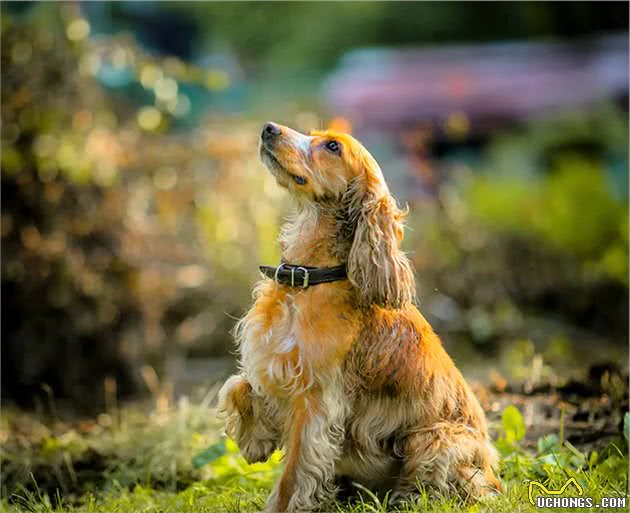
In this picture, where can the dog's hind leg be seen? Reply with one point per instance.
(448, 458)
(250, 422)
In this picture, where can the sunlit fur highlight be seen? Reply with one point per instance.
(348, 377)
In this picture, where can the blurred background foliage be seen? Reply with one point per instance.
(135, 211)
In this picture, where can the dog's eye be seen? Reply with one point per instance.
(333, 147)
(300, 180)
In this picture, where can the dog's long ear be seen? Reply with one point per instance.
(377, 267)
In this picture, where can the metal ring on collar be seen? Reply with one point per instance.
(277, 271)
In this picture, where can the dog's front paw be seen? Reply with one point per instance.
(255, 450)
(246, 423)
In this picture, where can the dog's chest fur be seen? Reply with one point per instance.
(293, 339)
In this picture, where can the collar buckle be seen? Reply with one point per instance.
(306, 277)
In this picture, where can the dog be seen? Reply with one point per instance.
(337, 365)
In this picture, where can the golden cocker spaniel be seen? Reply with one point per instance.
(337, 365)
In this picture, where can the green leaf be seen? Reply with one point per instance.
(513, 424)
(504, 447)
(550, 459)
(547, 443)
(626, 426)
(212, 453)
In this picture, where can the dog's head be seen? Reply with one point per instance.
(334, 169)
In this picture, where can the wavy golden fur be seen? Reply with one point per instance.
(348, 377)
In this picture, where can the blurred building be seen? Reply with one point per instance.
(475, 88)
(432, 99)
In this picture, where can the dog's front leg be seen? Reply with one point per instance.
(250, 422)
(314, 438)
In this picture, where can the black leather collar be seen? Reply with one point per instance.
(302, 276)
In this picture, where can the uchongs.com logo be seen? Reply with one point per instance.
(560, 499)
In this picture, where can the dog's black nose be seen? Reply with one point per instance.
(270, 131)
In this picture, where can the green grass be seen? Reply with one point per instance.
(176, 460)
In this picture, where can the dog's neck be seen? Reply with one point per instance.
(309, 237)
